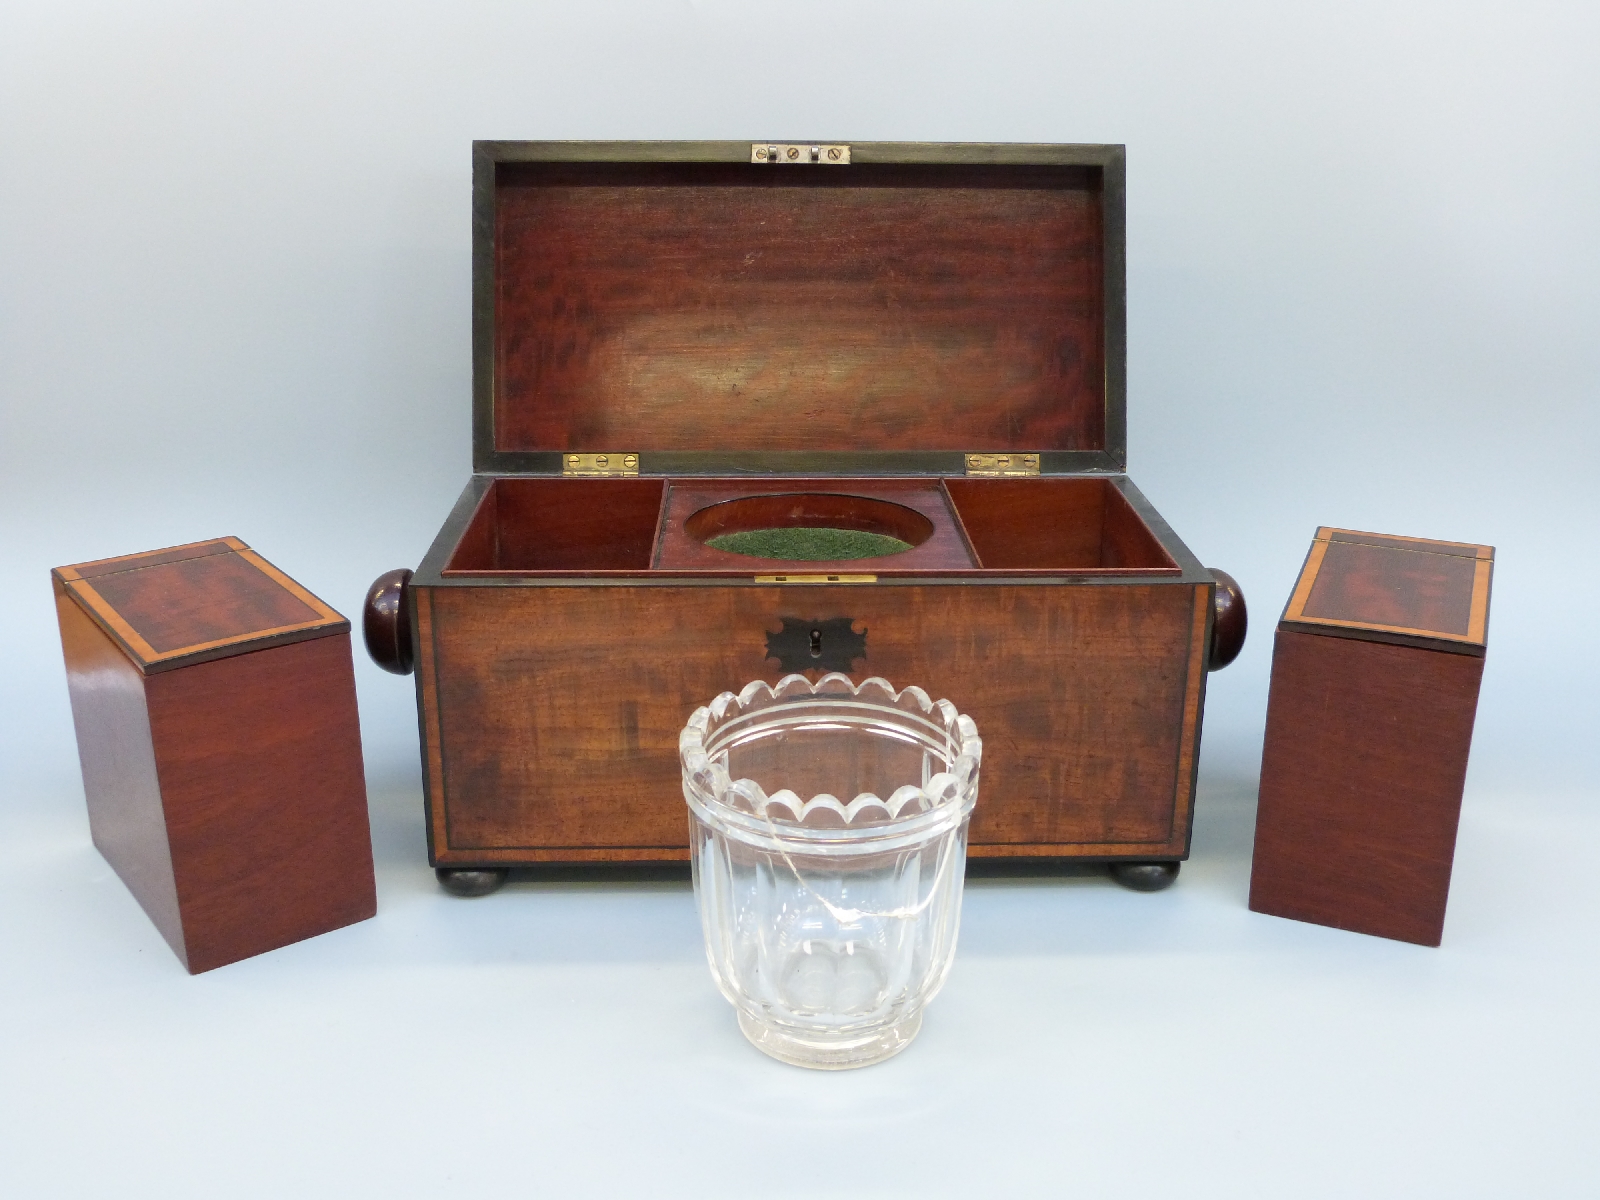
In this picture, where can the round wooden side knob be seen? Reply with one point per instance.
(386, 622)
(1229, 626)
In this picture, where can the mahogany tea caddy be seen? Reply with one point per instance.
(673, 340)
(214, 701)
(1376, 666)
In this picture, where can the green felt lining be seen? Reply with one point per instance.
(808, 544)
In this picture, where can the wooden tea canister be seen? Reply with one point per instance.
(214, 702)
(1375, 675)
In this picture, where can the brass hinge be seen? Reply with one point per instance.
(599, 464)
(816, 579)
(799, 152)
(1002, 464)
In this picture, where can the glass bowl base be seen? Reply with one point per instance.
(830, 1054)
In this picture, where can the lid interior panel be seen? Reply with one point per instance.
(684, 306)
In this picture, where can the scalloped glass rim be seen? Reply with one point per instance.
(745, 803)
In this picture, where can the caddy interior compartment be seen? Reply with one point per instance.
(524, 525)
(532, 525)
(795, 521)
(1055, 525)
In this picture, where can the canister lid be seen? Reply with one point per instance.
(190, 604)
(1385, 588)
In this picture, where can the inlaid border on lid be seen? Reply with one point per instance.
(79, 581)
(1472, 641)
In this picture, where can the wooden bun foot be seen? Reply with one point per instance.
(1145, 876)
(471, 881)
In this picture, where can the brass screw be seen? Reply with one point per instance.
(794, 151)
(599, 460)
(631, 460)
(762, 152)
(833, 153)
(572, 459)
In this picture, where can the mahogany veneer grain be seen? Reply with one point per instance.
(216, 598)
(540, 748)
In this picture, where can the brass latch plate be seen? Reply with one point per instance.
(1002, 464)
(600, 464)
(800, 152)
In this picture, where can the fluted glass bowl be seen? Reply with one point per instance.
(828, 833)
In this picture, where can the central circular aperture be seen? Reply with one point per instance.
(809, 527)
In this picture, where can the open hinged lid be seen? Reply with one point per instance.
(191, 604)
(679, 308)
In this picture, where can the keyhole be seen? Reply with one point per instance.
(816, 643)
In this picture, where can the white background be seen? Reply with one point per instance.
(1363, 263)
